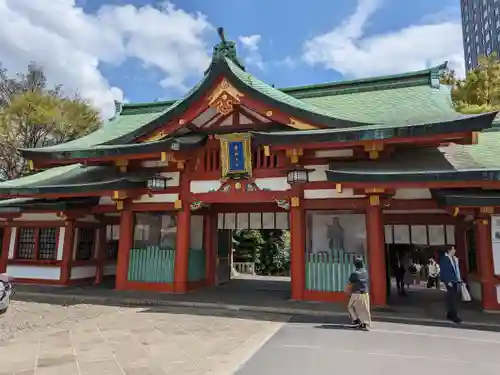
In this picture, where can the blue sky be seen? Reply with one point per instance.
(144, 50)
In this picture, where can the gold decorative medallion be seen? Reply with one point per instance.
(224, 97)
(295, 201)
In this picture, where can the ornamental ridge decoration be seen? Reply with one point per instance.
(224, 98)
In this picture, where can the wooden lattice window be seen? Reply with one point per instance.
(37, 243)
(85, 244)
(112, 239)
(47, 243)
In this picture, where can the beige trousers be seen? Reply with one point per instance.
(359, 308)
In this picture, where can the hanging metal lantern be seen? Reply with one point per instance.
(157, 182)
(298, 175)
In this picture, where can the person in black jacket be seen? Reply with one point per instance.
(450, 275)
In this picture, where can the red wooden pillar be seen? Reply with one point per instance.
(182, 250)
(124, 246)
(7, 232)
(101, 254)
(376, 252)
(297, 250)
(67, 255)
(209, 233)
(461, 247)
(485, 263)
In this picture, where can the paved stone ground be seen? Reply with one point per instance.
(85, 340)
(27, 317)
(315, 347)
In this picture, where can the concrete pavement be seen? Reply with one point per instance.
(315, 347)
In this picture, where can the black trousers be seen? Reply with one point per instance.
(433, 281)
(452, 298)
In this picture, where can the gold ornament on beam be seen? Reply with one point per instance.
(374, 149)
(300, 125)
(122, 164)
(178, 204)
(224, 98)
(294, 154)
(487, 210)
(119, 205)
(374, 200)
(295, 201)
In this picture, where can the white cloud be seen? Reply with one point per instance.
(251, 44)
(70, 44)
(347, 50)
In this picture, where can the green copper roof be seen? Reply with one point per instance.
(33, 204)
(411, 98)
(467, 197)
(479, 162)
(462, 123)
(409, 105)
(75, 178)
(182, 143)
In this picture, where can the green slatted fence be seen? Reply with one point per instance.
(151, 264)
(196, 265)
(329, 271)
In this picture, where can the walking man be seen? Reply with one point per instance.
(450, 275)
(359, 302)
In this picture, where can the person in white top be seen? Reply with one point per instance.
(434, 271)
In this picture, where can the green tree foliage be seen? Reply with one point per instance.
(247, 243)
(479, 91)
(35, 115)
(273, 258)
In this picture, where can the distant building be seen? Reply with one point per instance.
(480, 28)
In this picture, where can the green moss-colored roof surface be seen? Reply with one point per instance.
(409, 105)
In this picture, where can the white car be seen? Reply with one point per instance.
(5, 293)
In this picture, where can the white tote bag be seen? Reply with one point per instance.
(465, 293)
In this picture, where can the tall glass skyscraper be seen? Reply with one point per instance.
(480, 29)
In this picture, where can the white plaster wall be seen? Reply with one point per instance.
(106, 201)
(34, 272)
(12, 243)
(273, 183)
(495, 243)
(83, 272)
(39, 217)
(413, 194)
(157, 198)
(109, 269)
(498, 293)
(318, 174)
(196, 232)
(334, 153)
(60, 243)
(204, 186)
(329, 193)
(475, 289)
